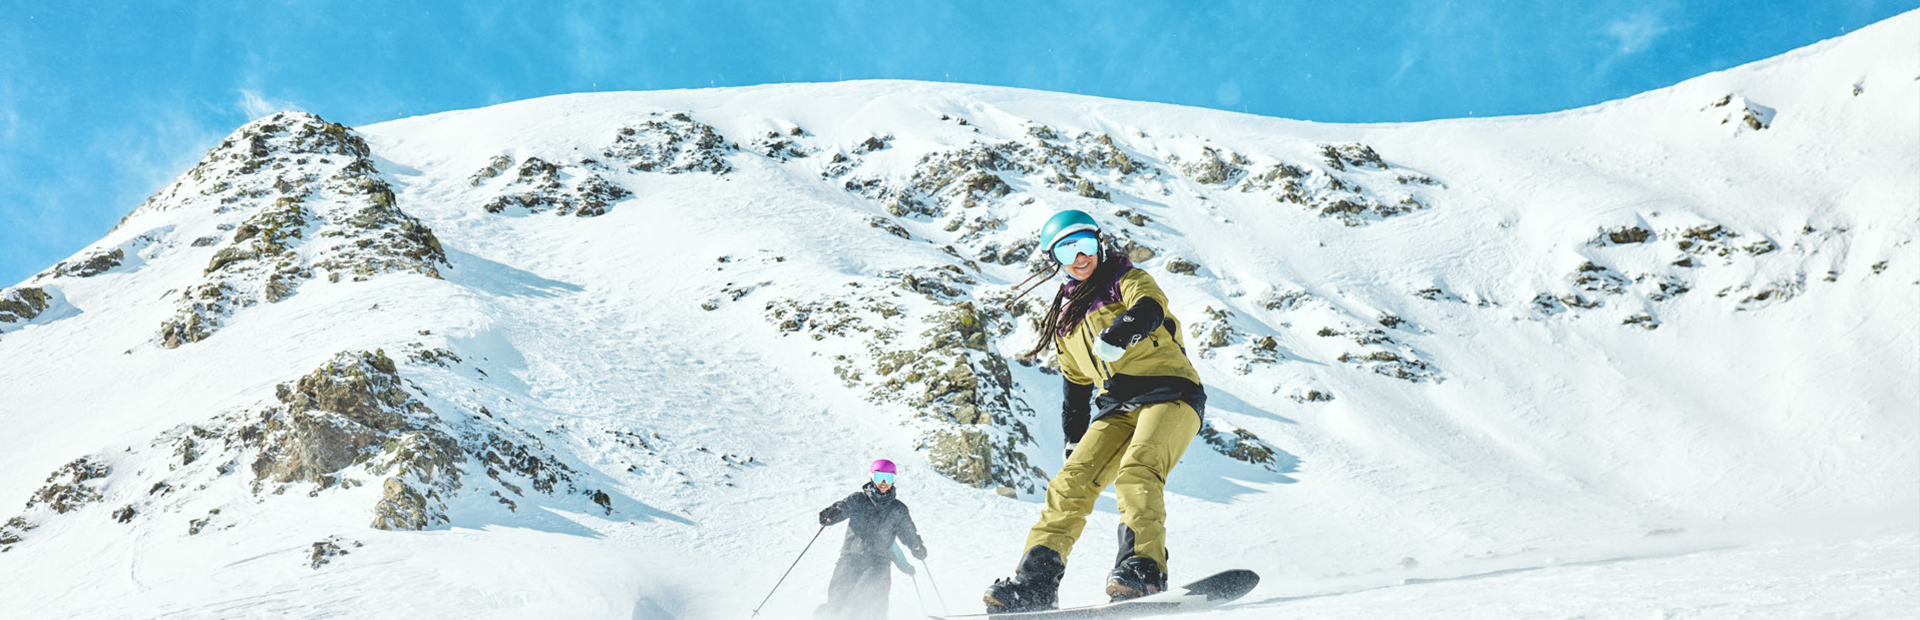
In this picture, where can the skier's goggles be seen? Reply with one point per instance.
(1083, 242)
(882, 478)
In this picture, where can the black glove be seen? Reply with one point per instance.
(1133, 325)
(829, 515)
(920, 552)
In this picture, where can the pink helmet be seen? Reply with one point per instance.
(881, 466)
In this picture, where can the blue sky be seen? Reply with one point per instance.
(102, 105)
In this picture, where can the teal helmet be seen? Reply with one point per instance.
(1065, 223)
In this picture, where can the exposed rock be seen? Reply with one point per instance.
(542, 186)
(960, 393)
(195, 526)
(401, 508)
(1241, 445)
(1086, 189)
(69, 487)
(22, 304)
(1663, 287)
(12, 531)
(337, 217)
(1286, 301)
(1394, 364)
(333, 418)
(1742, 113)
(1767, 295)
(326, 550)
(1209, 168)
(348, 420)
(1311, 396)
(976, 175)
(499, 165)
(1592, 277)
(672, 144)
(91, 265)
(1332, 196)
(781, 147)
(1340, 156)
(975, 457)
(871, 144)
(1623, 236)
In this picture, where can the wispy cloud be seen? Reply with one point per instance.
(255, 105)
(1634, 33)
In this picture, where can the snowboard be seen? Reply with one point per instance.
(1221, 588)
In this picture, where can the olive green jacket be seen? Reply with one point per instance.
(1155, 369)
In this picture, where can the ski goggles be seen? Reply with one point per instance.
(1083, 242)
(881, 477)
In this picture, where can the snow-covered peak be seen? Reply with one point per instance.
(573, 331)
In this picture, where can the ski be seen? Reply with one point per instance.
(1216, 590)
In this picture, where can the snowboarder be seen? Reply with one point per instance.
(1110, 326)
(875, 520)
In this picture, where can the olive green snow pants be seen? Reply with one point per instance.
(1132, 451)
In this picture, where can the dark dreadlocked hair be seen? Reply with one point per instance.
(1076, 304)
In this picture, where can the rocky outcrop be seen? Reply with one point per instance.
(401, 508)
(72, 486)
(1740, 113)
(349, 421)
(19, 305)
(1382, 354)
(781, 146)
(957, 389)
(539, 186)
(32, 305)
(671, 143)
(1349, 188)
(945, 182)
(317, 208)
(90, 265)
(1242, 445)
(1209, 168)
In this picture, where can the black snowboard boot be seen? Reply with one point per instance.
(1035, 586)
(1135, 577)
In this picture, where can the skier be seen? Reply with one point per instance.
(875, 520)
(1110, 327)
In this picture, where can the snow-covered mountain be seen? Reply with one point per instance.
(605, 355)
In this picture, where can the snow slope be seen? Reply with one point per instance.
(1654, 356)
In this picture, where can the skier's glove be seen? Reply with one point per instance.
(1132, 326)
(828, 515)
(920, 552)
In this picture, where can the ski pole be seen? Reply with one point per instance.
(936, 586)
(916, 595)
(783, 576)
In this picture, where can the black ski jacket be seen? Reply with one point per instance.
(875, 520)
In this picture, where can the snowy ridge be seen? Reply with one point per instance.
(627, 343)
